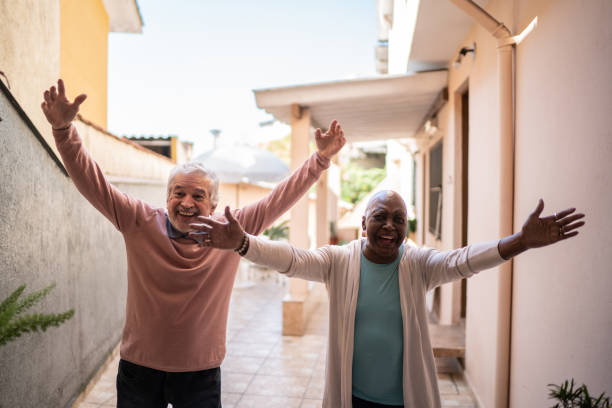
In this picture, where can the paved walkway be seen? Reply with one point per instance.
(264, 368)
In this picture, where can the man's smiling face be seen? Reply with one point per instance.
(385, 226)
(188, 197)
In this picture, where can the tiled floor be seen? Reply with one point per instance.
(265, 369)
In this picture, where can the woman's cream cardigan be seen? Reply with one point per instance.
(338, 267)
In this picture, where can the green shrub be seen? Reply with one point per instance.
(569, 397)
(13, 323)
(276, 232)
(357, 182)
(412, 224)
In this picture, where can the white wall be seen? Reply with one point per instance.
(562, 320)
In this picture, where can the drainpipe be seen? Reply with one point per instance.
(505, 79)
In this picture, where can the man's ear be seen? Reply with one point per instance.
(212, 209)
(363, 223)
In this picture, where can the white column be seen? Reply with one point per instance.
(322, 211)
(293, 304)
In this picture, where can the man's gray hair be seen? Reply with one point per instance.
(197, 167)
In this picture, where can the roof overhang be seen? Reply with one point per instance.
(123, 16)
(377, 108)
(440, 26)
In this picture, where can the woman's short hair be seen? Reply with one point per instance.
(197, 167)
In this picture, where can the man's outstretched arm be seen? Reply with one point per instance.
(83, 170)
(258, 216)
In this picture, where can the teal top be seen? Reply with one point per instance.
(379, 338)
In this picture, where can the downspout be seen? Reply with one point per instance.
(505, 78)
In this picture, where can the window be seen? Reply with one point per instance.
(435, 190)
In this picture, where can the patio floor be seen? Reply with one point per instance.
(265, 369)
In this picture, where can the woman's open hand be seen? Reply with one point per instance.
(538, 232)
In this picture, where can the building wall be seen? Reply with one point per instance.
(30, 52)
(237, 196)
(121, 157)
(42, 40)
(561, 297)
(486, 358)
(562, 323)
(84, 55)
(51, 234)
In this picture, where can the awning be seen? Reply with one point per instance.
(376, 108)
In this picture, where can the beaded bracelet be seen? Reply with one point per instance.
(244, 246)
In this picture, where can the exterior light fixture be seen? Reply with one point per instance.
(431, 126)
(462, 53)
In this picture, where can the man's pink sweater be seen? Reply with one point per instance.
(178, 293)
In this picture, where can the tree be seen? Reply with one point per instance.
(357, 182)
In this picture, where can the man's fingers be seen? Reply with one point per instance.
(209, 222)
(230, 216)
(332, 126)
(61, 88)
(53, 94)
(47, 97)
(79, 100)
(201, 227)
(318, 134)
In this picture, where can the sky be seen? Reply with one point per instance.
(197, 61)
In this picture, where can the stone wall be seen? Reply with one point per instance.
(49, 233)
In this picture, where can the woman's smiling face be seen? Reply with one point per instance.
(385, 225)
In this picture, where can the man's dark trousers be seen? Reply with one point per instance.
(143, 387)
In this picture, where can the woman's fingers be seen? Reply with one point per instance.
(573, 226)
(562, 214)
(570, 219)
(569, 235)
(538, 209)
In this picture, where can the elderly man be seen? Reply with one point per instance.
(178, 292)
(379, 352)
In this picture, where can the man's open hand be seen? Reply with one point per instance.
(60, 112)
(330, 142)
(218, 234)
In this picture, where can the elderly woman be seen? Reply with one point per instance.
(379, 352)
